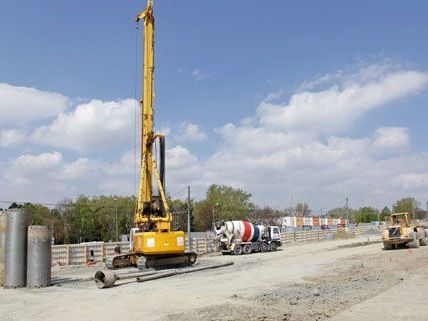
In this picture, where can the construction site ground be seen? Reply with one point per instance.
(327, 280)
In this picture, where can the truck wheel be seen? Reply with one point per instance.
(273, 246)
(247, 249)
(424, 239)
(264, 247)
(387, 246)
(413, 244)
(237, 250)
(192, 258)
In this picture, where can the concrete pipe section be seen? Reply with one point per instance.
(39, 256)
(2, 246)
(105, 279)
(16, 249)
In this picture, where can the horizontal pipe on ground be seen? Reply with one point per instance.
(184, 271)
(107, 279)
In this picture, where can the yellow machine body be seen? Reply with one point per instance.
(154, 243)
(403, 230)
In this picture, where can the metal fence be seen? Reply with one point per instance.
(77, 254)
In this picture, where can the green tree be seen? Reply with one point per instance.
(385, 213)
(179, 211)
(266, 215)
(227, 203)
(408, 204)
(64, 230)
(39, 214)
(343, 212)
(366, 215)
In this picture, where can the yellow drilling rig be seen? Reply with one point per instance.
(153, 241)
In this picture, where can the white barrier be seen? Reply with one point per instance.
(77, 254)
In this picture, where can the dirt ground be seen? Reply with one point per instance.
(331, 280)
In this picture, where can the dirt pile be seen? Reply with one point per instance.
(341, 234)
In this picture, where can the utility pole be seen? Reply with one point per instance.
(189, 244)
(347, 212)
(115, 219)
(378, 220)
(212, 210)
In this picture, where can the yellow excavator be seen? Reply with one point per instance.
(153, 242)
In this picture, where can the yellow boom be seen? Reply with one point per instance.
(153, 242)
(150, 209)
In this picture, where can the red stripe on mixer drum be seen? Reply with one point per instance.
(248, 231)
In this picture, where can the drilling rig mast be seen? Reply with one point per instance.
(153, 241)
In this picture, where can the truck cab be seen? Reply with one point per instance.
(274, 234)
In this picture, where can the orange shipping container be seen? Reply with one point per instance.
(330, 221)
(315, 221)
(299, 221)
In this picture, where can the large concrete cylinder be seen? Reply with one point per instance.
(39, 256)
(15, 275)
(2, 246)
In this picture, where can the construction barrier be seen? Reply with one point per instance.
(78, 254)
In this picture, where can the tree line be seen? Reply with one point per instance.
(86, 219)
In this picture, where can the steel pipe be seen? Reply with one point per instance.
(107, 279)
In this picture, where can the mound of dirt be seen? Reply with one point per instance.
(342, 235)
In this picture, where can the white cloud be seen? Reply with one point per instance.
(11, 137)
(274, 95)
(91, 126)
(190, 133)
(289, 149)
(25, 104)
(199, 74)
(28, 169)
(334, 109)
(391, 138)
(49, 177)
(322, 173)
(412, 181)
(298, 148)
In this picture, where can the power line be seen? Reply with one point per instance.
(180, 191)
(54, 204)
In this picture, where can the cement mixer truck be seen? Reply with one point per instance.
(242, 237)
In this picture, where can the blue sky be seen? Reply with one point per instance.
(216, 62)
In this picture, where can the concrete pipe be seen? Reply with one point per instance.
(39, 256)
(15, 275)
(2, 246)
(105, 279)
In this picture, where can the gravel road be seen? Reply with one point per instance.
(312, 281)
